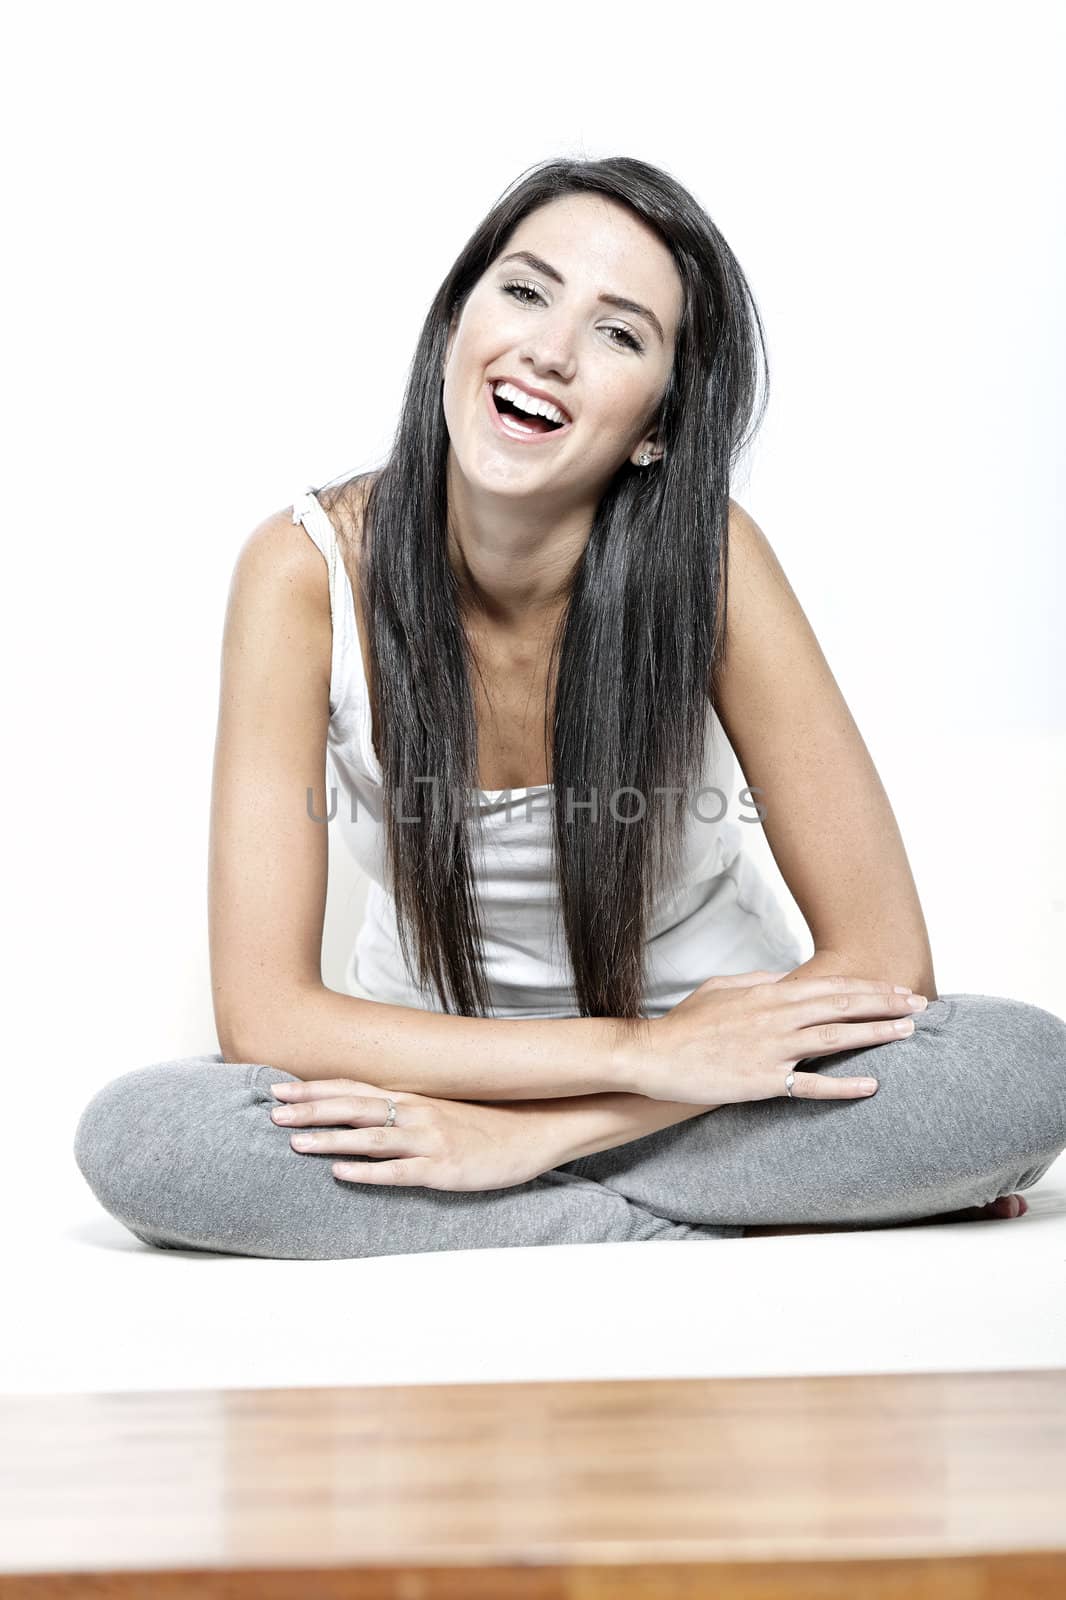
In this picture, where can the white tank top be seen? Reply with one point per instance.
(724, 918)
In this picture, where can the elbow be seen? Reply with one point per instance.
(256, 1046)
(258, 1034)
(228, 1047)
(229, 1028)
(233, 1043)
(227, 1035)
(252, 1037)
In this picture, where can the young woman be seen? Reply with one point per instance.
(518, 650)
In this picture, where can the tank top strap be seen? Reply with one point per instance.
(346, 686)
(308, 509)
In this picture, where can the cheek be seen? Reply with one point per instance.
(486, 328)
(612, 422)
(475, 352)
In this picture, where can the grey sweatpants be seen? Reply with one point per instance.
(971, 1105)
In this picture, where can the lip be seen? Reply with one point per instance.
(497, 422)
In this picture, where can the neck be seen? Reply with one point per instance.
(513, 559)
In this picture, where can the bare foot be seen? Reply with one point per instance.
(1006, 1207)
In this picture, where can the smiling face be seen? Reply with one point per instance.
(543, 324)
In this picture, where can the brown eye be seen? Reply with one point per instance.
(517, 290)
(634, 344)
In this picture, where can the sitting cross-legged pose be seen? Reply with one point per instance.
(550, 670)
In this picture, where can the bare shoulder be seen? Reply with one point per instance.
(279, 558)
(746, 536)
(280, 564)
(772, 658)
(278, 607)
(757, 581)
(738, 517)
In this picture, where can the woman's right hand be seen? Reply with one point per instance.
(736, 1038)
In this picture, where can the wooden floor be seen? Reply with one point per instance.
(942, 1484)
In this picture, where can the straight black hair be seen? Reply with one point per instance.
(639, 646)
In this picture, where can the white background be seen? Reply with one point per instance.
(225, 225)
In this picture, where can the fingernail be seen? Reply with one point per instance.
(900, 988)
(282, 1090)
(867, 1085)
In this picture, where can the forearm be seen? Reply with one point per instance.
(319, 1033)
(586, 1124)
(589, 1123)
(917, 974)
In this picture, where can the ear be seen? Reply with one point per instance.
(648, 446)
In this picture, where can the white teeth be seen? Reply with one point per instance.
(525, 402)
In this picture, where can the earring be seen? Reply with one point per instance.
(645, 461)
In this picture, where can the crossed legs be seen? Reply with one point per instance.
(971, 1107)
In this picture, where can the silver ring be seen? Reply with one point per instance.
(789, 1081)
(391, 1118)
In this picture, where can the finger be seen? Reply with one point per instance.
(342, 1108)
(814, 1086)
(846, 1020)
(829, 1038)
(847, 1005)
(301, 1088)
(853, 1006)
(411, 1173)
(382, 1143)
(817, 988)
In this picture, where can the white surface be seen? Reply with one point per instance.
(907, 475)
(97, 1310)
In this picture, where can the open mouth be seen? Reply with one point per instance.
(514, 423)
(507, 408)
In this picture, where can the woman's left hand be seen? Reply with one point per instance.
(433, 1144)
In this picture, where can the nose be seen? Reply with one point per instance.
(552, 355)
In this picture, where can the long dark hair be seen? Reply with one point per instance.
(638, 648)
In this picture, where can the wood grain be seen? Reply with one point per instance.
(945, 1484)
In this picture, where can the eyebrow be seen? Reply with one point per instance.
(632, 306)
